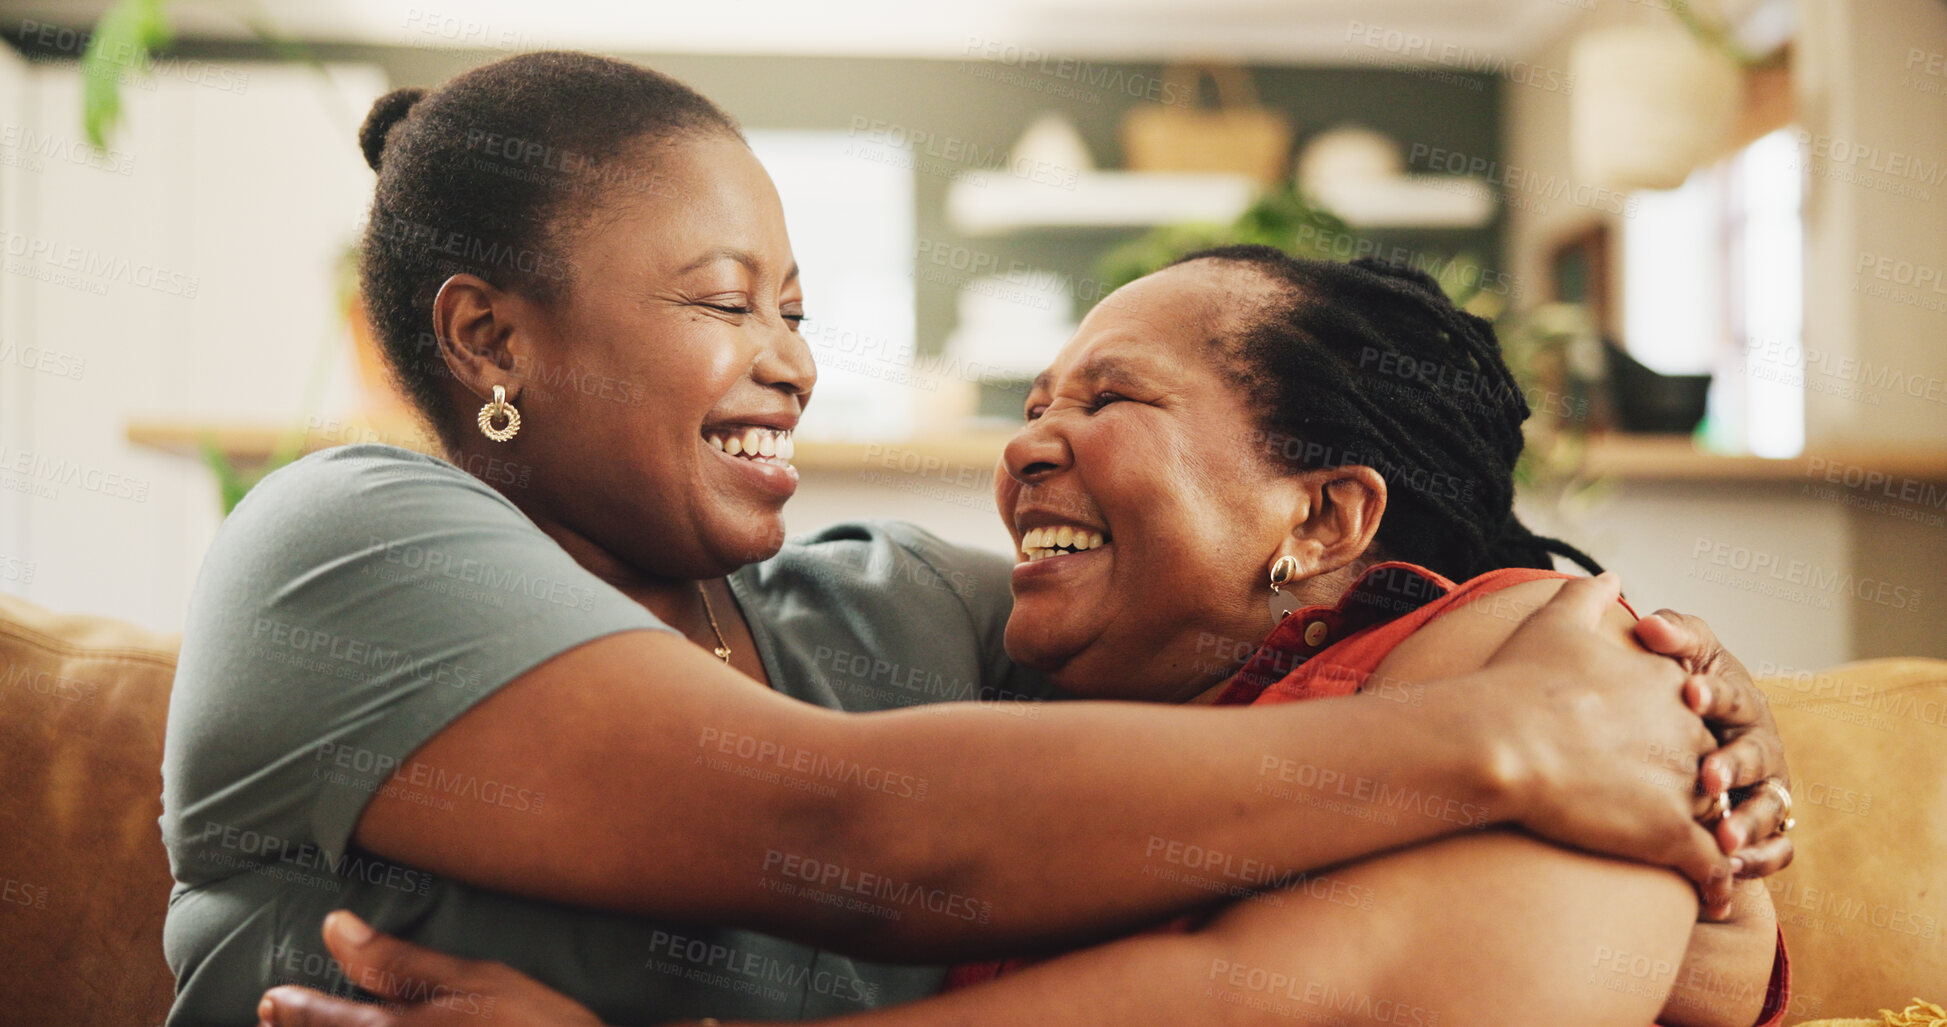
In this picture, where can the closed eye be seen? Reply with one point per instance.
(1103, 399)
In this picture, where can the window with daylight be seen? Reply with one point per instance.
(849, 208)
(1713, 282)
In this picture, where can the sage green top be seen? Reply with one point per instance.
(360, 599)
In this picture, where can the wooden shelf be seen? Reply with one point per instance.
(1631, 458)
(1675, 458)
(991, 203)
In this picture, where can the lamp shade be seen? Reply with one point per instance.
(1650, 104)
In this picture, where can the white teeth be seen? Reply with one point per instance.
(787, 447)
(734, 445)
(715, 441)
(753, 437)
(767, 445)
(1064, 535)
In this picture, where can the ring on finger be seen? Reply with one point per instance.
(1720, 807)
(1784, 795)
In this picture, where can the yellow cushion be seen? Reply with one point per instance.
(1864, 905)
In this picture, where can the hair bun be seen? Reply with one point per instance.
(387, 111)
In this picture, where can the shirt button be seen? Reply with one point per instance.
(1315, 633)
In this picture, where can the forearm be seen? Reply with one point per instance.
(1490, 928)
(1727, 967)
(1090, 819)
(926, 834)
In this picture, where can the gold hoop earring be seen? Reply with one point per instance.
(499, 408)
(1282, 571)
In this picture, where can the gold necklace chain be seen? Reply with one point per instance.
(723, 648)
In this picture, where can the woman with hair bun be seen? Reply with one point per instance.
(598, 720)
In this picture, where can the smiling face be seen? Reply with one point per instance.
(660, 390)
(1135, 436)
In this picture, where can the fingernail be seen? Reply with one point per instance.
(266, 1010)
(1737, 866)
(356, 931)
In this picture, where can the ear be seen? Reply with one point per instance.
(1337, 518)
(473, 326)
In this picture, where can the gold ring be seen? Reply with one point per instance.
(1720, 807)
(1784, 795)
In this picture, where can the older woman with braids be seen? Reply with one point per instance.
(577, 719)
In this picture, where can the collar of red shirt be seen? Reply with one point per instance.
(1385, 591)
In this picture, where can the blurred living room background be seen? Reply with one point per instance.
(1713, 237)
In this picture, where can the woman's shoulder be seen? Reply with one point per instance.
(890, 565)
(361, 491)
(869, 552)
(352, 472)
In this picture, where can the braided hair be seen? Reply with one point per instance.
(492, 173)
(1369, 363)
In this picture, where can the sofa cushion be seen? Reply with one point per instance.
(84, 881)
(1864, 904)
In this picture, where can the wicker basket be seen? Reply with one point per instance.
(1237, 135)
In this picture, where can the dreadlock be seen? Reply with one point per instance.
(1369, 363)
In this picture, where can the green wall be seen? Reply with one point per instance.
(982, 106)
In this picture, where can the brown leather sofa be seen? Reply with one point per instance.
(84, 882)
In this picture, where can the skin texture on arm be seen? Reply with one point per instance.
(1727, 966)
(635, 740)
(1490, 927)
(646, 811)
(1141, 976)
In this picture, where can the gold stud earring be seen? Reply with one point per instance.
(1283, 569)
(499, 407)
